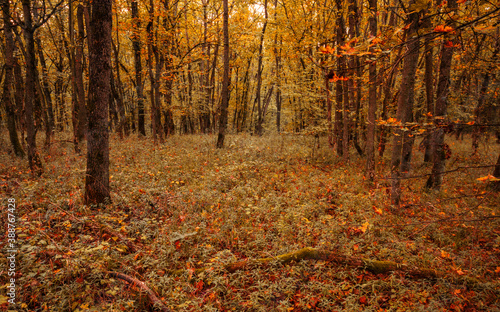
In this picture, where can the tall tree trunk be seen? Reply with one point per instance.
(34, 160)
(225, 79)
(478, 110)
(117, 90)
(429, 92)
(205, 77)
(387, 89)
(277, 56)
(9, 75)
(437, 141)
(153, 53)
(136, 45)
(352, 89)
(75, 95)
(211, 88)
(19, 97)
(97, 175)
(372, 96)
(339, 88)
(260, 117)
(46, 95)
(403, 141)
(79, 61)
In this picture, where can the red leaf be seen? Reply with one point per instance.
(363, 300)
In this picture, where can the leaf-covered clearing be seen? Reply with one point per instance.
(185, 205)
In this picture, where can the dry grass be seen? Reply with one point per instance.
(258, 197)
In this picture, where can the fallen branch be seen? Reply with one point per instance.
(374, 266)
(152, 296)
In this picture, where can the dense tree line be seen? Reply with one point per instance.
(365, 73)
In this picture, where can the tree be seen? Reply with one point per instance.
(437, 140)
(403, 140)
(258, 98)
(225, 81)
(9, 77)
(29, 28)
(372, 101)
(136, 44)
(97, 174)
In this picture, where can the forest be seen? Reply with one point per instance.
(250, 155)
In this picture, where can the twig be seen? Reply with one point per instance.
(152, 296)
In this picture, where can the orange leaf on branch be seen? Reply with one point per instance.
(443, 28)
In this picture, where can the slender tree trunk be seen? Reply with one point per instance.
(387, 90)
(75, 95)
(34, 160)
(117, 90)
(46, 94)
(437, 141)
(403, 141)
(153, 53)
(136, 45)
(260, 117)
(9, 75)
(277, 56)
(478, 110)
(97, 175)
(211, 89)
(429, 92)
(205, 77)
(372, 96)
(225, 79)
(352, 90)
(80, 90)
(328, 102)
(339, 88)
(19, 97)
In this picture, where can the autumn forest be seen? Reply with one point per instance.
(250, 155)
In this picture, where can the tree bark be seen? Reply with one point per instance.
(225, 79)
(403, 141)
(34, 160)
(437, 141)
(97, 175)
(478, 110)
(136, 45)
(9, 77)
(339, 88)
(372, 96)
(79, 61)
(260, 117)
(429, 92)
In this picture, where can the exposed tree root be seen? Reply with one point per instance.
(374, 266)
(151, 295)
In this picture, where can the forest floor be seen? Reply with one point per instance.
(185, 205)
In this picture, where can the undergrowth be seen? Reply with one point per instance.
(186, 205)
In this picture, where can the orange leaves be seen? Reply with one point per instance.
(444, 29)
(377, 41)
(390, 121)
(488, 178)
(336, 78)
(326, 50)
(377, 210)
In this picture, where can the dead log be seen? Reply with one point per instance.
(374, 266)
